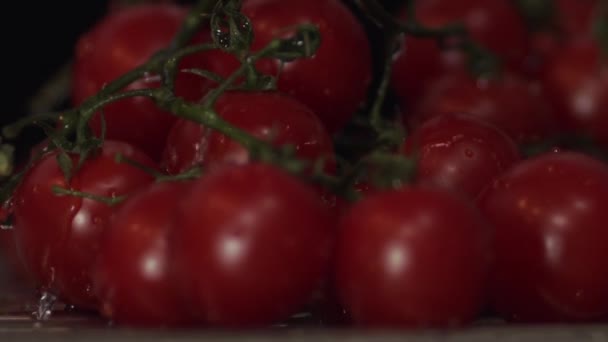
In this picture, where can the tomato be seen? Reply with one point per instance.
(121, 41)
(58, 236)
(414, 257)
(577, 83)
(420, 60)
(460, 153)
(133, 275)
(334, 82)
(252, 244)
(575, 17)
(550, 238)
(271, 116)
(508, 102)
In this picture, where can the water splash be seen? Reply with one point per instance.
(45, 306)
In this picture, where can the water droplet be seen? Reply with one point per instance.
(69, 308)
(35, 189)
(469, 153)
(45, 306)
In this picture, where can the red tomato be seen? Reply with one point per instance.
(415, 257)
(58, 236)
(510, 103)
(335, 81)
(270, 116)
(575, 17)
(494, 24)
(121, 41)
(577, 83)
(460, 153)
(252, 244)
(550, 239)
(133, 276)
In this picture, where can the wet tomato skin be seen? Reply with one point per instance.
(548, 215)
(460, 153)
(133, 276)
(397, 250)
(58, 236)
(334, 82)
(252, 244)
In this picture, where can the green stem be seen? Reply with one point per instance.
(192, 23)
(376, 120)
(110, 201)
(13, 130)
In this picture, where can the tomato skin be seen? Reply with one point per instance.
(577, 84)
(133, 277)
(420, 60)
(575, 17)
(549, 216)
(270, 116)
(460, 153)
(397, 250)
(334, 82)
(509, 102)
(252, 244)
(58, 236)
(121, 41)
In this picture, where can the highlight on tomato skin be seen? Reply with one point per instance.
(133, 276)
(251, 244)
(58, 236)
(397, 251)
(549, 216)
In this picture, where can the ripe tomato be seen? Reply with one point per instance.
(133, 276)
(414, 257)
(575, 17)
(58, 236)
(460, 153)
(577, 83)
(121, 41)
(550, 239)
(335, 81)
(508, 102)
(270, 116)
(420, 60)
(252, 244)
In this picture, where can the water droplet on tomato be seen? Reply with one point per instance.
(469, 153)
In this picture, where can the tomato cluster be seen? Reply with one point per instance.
(216, 195)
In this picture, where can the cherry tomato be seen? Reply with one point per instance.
(420, 60)
(550, 238)
(414, 257)
(269, 115)
(575, 17)
(577, 83)
(58, 236)
(252, 244)
(335, 81)
(508, 102)
(133, 275)
(460, 153)
(121, 41)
